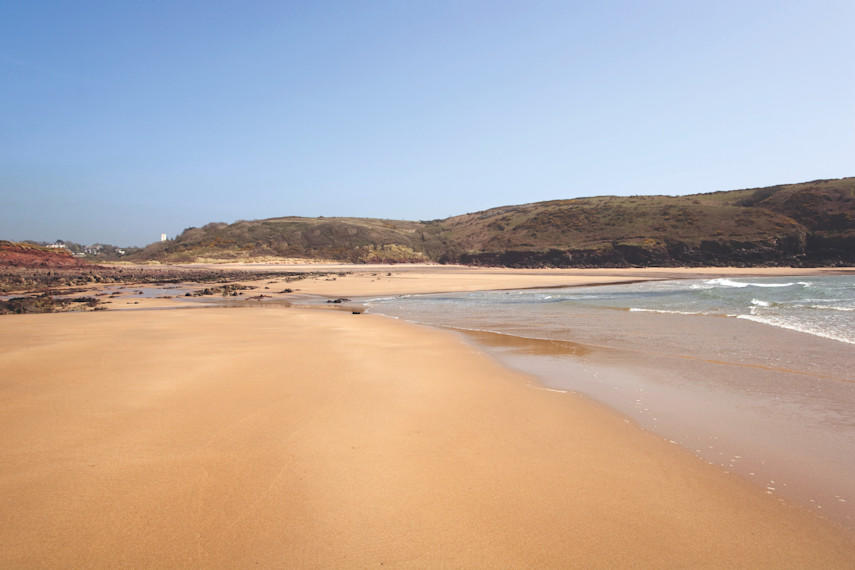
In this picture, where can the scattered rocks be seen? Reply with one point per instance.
(48, 304)
(27, 277)
(230, 289)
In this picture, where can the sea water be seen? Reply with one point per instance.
(822, 306)
(756, 375)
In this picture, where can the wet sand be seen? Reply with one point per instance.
(284, 437)
(770, 405)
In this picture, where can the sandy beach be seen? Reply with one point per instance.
(283, 437)
(330, 281)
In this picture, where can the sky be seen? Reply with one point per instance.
(124, 120)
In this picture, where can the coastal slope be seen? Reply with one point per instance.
(806, 224)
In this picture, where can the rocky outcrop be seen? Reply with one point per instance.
(789, 250)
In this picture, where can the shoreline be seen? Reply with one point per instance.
(701, 382)
(319, 438)
(321, 281)
(809, 467)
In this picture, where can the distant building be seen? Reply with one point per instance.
(162, 237)
(57, 245)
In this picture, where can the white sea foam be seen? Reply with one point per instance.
(830, 308)
(821, 307)
(664, 311)
(724, 282)
(798, 327)
(772, 285)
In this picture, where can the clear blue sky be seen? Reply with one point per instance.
(124, 120)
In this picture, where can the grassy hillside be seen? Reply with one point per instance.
(826, 208)
(809, 223)
(640, 229)
(342, 239)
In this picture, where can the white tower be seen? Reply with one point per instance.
(162, 237)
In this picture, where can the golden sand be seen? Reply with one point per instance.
(288, 438)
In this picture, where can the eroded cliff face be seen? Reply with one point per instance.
(710, 254)
(33, 256)
(791, 250)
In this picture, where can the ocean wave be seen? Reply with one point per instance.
(780, 323)
(385, 299)
(773, 285)
(730, 283)
(822, 307)
(664, 311)
(829, 308)
(724, 282)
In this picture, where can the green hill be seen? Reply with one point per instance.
(357, 240)
(811, 223)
